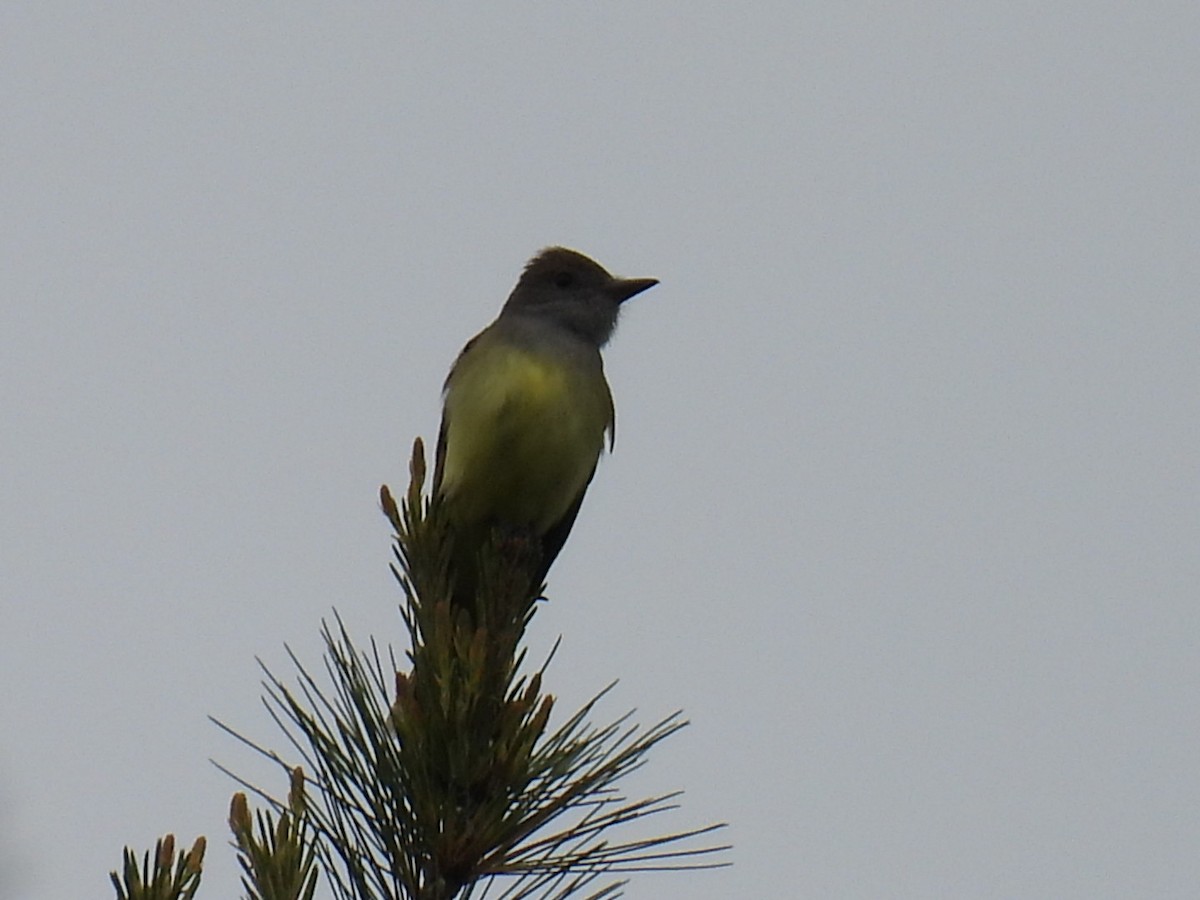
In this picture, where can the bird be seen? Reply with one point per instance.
(527, 412)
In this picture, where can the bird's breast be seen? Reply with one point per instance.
(523, 433)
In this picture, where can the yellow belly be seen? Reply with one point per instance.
(523, 436)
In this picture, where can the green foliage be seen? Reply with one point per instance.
(279, 862)
(163, 875)
(440, 777)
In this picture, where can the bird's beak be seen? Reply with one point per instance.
(624, 288)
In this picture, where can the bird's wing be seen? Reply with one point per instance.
(556, 535)
(440, 453)
(439, 458)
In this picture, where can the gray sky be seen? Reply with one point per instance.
(904, 506)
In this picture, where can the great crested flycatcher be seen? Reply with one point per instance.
(526, 410)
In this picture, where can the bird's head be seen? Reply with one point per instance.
(573, 291)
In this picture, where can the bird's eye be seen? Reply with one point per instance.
(564, 280)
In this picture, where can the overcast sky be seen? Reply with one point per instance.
(904, 511)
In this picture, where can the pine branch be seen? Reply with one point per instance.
(439, 779)
(279, 862)
(163, 876)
